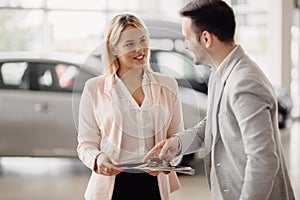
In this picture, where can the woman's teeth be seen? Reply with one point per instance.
(139, 57)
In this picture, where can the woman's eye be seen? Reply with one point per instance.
(128, 44)
(143, 40)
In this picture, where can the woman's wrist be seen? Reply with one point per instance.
(98, 160)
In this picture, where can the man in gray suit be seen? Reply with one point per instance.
(239, 138)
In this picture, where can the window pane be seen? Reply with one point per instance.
(56, 77)
(76, 31)
(66, 76)
(46, 79)
(22, 3)
(173, 64)
(12, 73)
(77, 4)
(20, 30)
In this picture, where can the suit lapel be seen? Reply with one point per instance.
(217, 84)
(221, 77)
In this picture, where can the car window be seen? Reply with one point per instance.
(66, 75)
(58, 77)
(81, 78)
(181, 67)
(14, 75)
(45, 79)
(173, 64)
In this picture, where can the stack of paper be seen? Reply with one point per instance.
(154, 166)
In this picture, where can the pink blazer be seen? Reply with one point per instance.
(99, 132)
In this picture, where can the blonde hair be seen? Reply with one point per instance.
(112, 36)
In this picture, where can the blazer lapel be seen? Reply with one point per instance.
(109, 84)
(114, 99)
(215, 92)
(219, 88)
(220, 83)
(155, 88)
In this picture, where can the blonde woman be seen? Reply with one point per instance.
(124, 113)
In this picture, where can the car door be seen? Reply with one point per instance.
(53, 123)
(16, 131)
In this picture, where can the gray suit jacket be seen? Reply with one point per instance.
(241, 125)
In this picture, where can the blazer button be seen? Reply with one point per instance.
(225, 190)
(218, 164)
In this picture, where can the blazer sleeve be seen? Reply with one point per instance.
(254, 107)
(89, 134)
(192, 139)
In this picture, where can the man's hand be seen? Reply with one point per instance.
(165, 150)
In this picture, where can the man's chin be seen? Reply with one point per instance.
(197, 62)
(203, 61)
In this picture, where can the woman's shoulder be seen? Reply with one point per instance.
(165, 79)
(94, 82)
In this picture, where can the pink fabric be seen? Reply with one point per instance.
(99, 133)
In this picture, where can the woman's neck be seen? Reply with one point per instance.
(130, 73)
(132, 78)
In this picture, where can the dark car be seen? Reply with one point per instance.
(285, 105)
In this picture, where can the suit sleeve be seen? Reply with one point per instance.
(254, 105)
(89, 135)
(192, 139)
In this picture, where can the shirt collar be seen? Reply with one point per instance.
(145, 76)
(228, 63)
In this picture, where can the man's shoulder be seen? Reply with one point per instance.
(249, 69)
(248, 77)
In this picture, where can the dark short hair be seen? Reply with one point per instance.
(214, 16)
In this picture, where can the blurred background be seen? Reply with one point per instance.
(268, 30)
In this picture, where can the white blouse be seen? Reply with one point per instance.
(137, 121)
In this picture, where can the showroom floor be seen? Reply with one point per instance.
(54, 178)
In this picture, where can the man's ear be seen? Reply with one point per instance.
(206, 38)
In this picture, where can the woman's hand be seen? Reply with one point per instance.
(107, 168)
